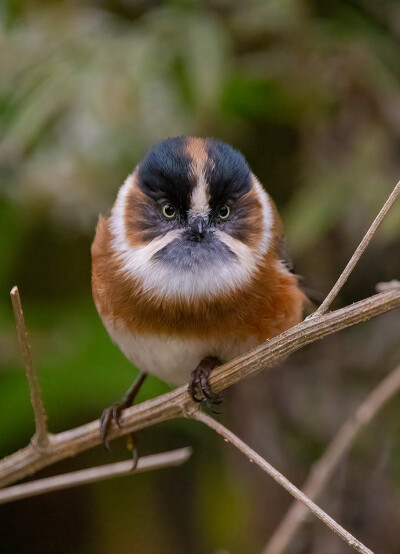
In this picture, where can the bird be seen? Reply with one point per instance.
(191, 267)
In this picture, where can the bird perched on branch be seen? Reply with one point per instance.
(190, 269)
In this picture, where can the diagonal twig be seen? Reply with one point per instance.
(281, 480)
(324, 307)
(94, 474)
(324, 468)
(178, 402)
(40, 439)
(47, 449)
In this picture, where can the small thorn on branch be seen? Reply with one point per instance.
(41, 437)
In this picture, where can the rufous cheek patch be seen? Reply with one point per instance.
(269, 304)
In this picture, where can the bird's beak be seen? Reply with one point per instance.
(198, 226)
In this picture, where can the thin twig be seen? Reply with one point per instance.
(178, 402)
(323, 308)
(48, 449)
(41, 439)
(281, 480)
(99, 473)
(324, 468)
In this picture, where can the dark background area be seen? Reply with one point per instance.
(309, 91)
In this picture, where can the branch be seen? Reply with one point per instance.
(99, 473)
(358, 253)
(324, 468)
(40, 439)
(308, 331)
(178, 402)
(281, 480)
(47, 449)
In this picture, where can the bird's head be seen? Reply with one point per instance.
(192, 221)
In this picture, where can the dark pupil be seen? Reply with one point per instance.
(169, 210)
(223, 212)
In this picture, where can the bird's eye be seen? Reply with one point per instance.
(224, 212)
(168, 211)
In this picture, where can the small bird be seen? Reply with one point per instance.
(191, 269)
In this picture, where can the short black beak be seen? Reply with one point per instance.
(198, 227)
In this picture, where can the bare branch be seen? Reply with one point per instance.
(99, 473)
(324, 307)
(47, 449)
(324, 468)
(281, 480)
(40, 439)
(178, 402)
(306, 332)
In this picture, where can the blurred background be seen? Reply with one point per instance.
(309, 91)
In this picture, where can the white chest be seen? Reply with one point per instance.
(172, 359)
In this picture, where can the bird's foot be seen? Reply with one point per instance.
(199, 387)
(113, 413)
(110, 415)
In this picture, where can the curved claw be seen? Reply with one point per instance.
(116, 412)
(109, 415)
(113, 413)
(199, 387)
(193, 386)
(213, 403)
(105, 422)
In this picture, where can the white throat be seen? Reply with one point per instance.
(170, 282)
